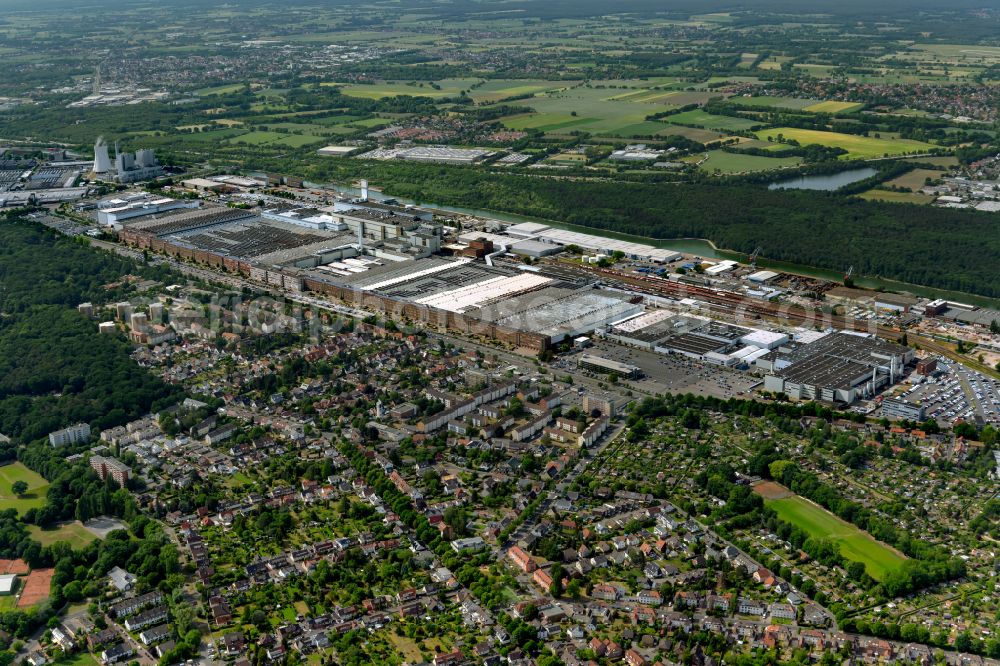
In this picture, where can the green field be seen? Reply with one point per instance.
(728, 163)
(855, 545)
(75, 534)
(439, 89)
(33, 499)
(220, 90)
(833, 107)
(896, 197)
(601, 111)
(711, 121)
(793, 103)
(857, 147)
(275, 138)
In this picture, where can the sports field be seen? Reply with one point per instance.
(857, 147)
(36, 587)
(855, 545)
(73, 533)
(33, 499)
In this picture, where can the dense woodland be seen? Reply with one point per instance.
(55, 369)
(935, 247)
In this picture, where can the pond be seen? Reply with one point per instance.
(826, 182)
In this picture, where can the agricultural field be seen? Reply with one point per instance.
(434, 90)
(897, 197)
(773, 63)
(219, 90)
(833, 107)
(711, 121)
(259, 138)
(567, 159)
(602, 111)
(73, 533)
(819, 523)
(857, 147)
(492, 91)
(814, 69)
(730, 163)
(791, 103)
(916, 179)
(33, 499)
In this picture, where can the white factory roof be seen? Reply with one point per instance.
(498, 240)
(762, 276)
(336, 150)
(743, 352)
(721, 267)
(451, 265)
(764, 339)
(469, 296)
(644, 320)
(7, 583)
(526, 229)
(808, 336)
(602, 244)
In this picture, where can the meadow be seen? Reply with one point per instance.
(855, 545)
(857, 147)
(601, 111)
(916, 179)
(728, 163)
(33, 499)
(896, 197)
(73, 533)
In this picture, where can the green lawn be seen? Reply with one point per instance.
(857, 147)
(855, 545)
(75, 534)
(33, 499)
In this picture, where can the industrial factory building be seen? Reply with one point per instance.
(608, 366)
(127, 167)
(837, 368)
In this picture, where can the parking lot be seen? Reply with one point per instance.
(955, 392)
(671, 373)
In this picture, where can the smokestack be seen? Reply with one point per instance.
(364, 190)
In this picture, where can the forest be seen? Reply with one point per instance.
(934, 247)
(55, 369)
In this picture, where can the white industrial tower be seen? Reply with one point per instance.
(102, 163)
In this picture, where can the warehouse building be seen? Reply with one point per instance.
(607, 366)
(114, 211)
(838, 368)
(535, 249)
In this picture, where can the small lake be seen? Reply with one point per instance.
(826, 182)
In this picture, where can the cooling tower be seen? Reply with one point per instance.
(102, 163)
